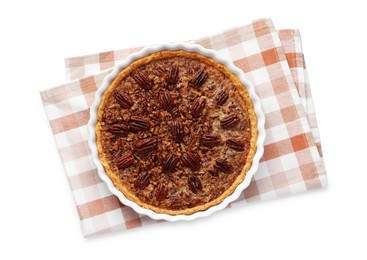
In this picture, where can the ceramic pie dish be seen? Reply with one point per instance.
(176, 131)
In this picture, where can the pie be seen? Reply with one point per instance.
(176, 132)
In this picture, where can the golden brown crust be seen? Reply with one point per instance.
(245, 103)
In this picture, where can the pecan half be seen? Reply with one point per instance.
(229, 121)
(172, 75)
(166, 101)
(234, 144)
(118, 129)
(142, 181)
(191, 160)
(124, 100)
(223, 165)
(125, 161)
(211, 140)
(161, 192)
(146, 146)
(169, 163)
(139, 123)
(143, 81)
(221, 97)
(194, 184)
(177, 130)
(199, 79)
(198, 106)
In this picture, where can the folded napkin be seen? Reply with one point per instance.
(272, 60)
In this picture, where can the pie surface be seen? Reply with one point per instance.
(176, 132)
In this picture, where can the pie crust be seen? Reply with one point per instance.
(157, 68)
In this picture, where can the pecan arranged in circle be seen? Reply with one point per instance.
(221, 97)
(223, 165)
(161, 192)
(172, 75)
(177, 130)
(124, 100)
(198, 106)
(125, 161)
(194, 184)
(146, 146)
(191, 160)
(142, 181)
(143, 81)
(199, 79)
(166, 101)
(169, 163)
(211, 140)
(118, 129)
(229, 121)
(139, 123)
(236, 145)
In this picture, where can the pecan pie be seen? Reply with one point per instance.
(176, 132)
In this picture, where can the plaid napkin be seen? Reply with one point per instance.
(272, 60)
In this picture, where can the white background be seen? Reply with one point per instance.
(38, 219)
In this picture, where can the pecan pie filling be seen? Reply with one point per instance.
(175, 132)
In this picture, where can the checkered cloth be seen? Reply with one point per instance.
(272, 60)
